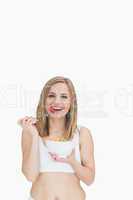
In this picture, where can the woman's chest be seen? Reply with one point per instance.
(61, 148)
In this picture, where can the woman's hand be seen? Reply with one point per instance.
(69, 159)
(28, 124)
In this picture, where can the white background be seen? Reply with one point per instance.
(89, 42)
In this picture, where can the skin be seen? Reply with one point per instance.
(45, 186)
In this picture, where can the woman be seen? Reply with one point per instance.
(57, 153)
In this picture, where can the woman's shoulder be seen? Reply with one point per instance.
(84, 129)
(85, 133)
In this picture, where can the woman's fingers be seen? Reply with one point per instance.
(57, 158)
(52, 153)
(27, 120)
(24, 121)
(34, 120)
(20, 121)
(31, 120)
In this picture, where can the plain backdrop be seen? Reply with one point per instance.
(89, 42)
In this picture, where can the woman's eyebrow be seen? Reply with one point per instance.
(64, 94)
(52, 92)
(55, 93)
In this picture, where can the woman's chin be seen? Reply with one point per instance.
(56, 115)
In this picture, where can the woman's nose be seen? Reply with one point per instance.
(57, 100)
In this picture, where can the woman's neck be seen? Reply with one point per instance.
(56, 126)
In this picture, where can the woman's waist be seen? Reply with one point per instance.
(56, 182)
(58, 177)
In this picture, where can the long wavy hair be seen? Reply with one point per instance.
(71, 117)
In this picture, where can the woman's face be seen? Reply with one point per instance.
(58, 100)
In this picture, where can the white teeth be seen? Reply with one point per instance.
(57, 108)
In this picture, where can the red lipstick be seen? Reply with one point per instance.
(51, 109)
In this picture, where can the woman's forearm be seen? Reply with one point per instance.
(30, 166)
(83, 173)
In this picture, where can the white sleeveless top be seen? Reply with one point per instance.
(63, 149)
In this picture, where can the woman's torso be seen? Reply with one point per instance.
(52, 184)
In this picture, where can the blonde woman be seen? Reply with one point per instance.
(56, 152)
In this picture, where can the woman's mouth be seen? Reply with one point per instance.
(54, 109)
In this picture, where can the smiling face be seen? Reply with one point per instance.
(58, 100)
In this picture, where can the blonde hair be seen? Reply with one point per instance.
(71, 117)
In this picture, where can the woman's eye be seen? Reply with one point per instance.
(51, 95)
(65, 97)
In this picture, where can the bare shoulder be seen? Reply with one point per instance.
(85, 132)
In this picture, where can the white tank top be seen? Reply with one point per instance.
(63, 149)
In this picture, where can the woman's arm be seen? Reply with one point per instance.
(30, 154)
(86, 171)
